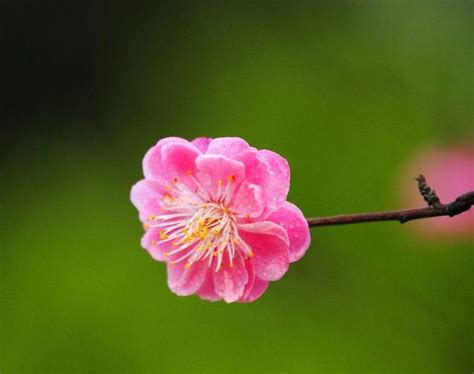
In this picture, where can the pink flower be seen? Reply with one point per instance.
(450, 172)
(215, 211)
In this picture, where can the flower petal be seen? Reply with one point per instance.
(214, 168)
(274, 177)
(169, 158)
(232, 147)
(230, 281)
(249, 200)
(152, 243)
(265, 168)
(293, 221)
(270, 171)
(258, 288)
(183, 281)
(270, 245)
(251, 278)
(207, 290)
(255, 287)
(144, 191)
(144, 195)
(202, 143)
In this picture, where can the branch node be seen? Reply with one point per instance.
(428, 194)
(461, 204)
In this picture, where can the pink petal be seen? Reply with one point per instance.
(144, 191)
(152, 243)
(270, 245)
(265, 168)
(258, 288)
(230, 147)
(296, 226)
(214, 168)
(170, 158)
(184, 282)
(144, 195)
(255, 287)
(230, 281)
(249, 200)
(207, 290)
(152, 208)
(270, 171)
(276, 180)
(202, 143)
(251, 278)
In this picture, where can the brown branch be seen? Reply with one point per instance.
(435, 209)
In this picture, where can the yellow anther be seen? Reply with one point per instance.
(167, 196)
(146, 225)
(230, 178)
(172, 262)
(215, 253)
(152, 217)
(174, 244)
(219, 183)
(251, 254)
(187, 265)
(166, 254)
(189, 172)
(154, 242)
(163, 234)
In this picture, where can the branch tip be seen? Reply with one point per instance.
(435, 209)
(428, 194)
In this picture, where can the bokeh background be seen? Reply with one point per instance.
(346, 91)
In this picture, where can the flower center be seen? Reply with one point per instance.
(199, 226)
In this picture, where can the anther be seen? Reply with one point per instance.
(163, 234)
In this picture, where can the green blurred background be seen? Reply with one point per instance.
(346, 91)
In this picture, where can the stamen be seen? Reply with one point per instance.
(163, 234)
(198, 227)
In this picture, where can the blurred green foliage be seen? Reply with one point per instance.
(345, 91)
